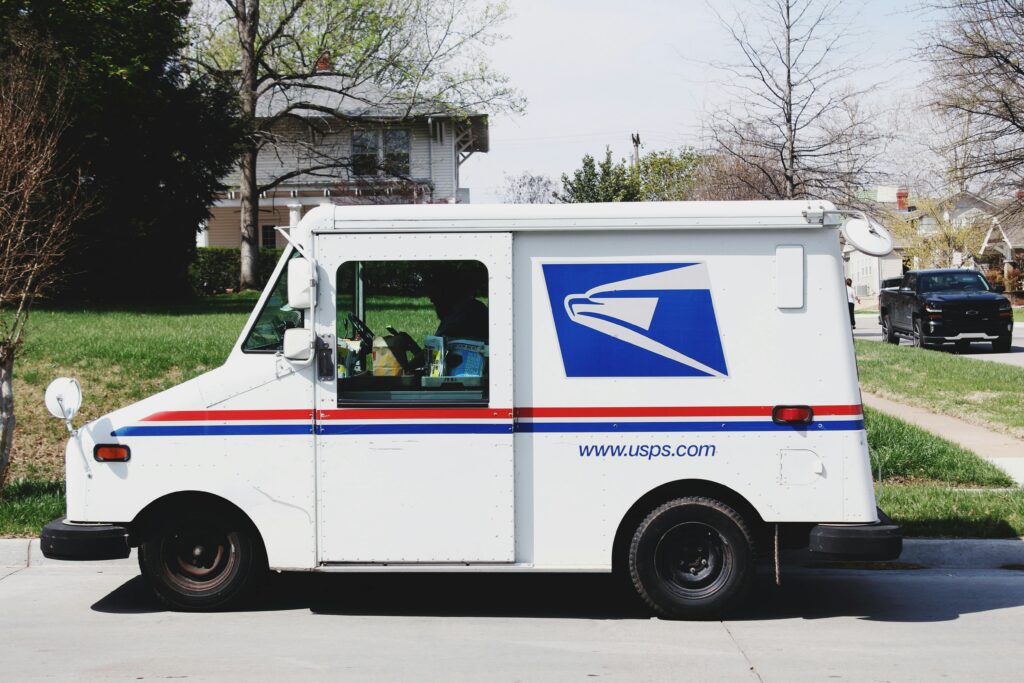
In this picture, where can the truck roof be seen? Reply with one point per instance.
(927, 271)
(516, 217)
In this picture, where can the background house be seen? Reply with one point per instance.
(391, 155)
(1003, 248)
(1004, 241)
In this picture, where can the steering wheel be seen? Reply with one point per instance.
(366, 335)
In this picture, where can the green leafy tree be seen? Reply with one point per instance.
(318, 58)
(150, 136)
(606, 181)
(669, 175)
(932, 238)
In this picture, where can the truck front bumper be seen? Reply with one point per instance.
(882, 540)
(62, 540)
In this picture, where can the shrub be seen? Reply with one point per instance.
(215, 269)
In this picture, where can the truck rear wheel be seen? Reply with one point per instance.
(202, 562)
(692, 558)
(1002, 345)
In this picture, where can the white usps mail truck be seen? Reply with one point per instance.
(667, 389)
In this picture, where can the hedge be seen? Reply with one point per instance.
(216, 269)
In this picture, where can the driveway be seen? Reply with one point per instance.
(868, 328)
(89, 622)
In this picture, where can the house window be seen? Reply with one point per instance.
(396, 152)
(376, 152)
(412, 333)
(365, 150)
(268, 237)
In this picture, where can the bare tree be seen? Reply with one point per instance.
(39, 200)
(306, 67)
(796, 125)
(977, 53)
(527, 188)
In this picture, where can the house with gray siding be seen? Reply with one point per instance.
(372, 150)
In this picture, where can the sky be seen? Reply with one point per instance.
(595, 71)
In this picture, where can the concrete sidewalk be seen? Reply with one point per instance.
(1002, 450)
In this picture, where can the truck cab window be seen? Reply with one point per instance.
(267, 333)
(412, 332)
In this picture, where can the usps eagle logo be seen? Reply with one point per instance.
(635, 319)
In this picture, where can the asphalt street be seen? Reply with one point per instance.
(869, 328)
(98, 622)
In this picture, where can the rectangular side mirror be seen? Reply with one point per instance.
(300, 293)
(298, 343)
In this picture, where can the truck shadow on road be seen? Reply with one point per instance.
(890, 596)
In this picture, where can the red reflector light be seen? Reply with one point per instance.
(792, 414)
(111, 453)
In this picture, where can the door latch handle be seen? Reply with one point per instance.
(324, 360)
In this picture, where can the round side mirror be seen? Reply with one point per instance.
(867, 236)
(64, 398)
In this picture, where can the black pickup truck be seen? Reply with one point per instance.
(950, 306)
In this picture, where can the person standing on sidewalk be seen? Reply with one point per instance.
(851, 299)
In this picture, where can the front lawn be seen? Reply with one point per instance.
(988, 394)
(935, 488)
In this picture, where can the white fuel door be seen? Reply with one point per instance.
(414, 406)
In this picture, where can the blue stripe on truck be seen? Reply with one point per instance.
(469, 428)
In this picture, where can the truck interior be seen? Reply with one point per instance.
(412, 333)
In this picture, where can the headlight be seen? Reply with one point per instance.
(932, 308)
(1004, 305)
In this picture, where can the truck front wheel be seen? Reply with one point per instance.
(202, 562)
(919, 334)
(692, 558)
(888, 333)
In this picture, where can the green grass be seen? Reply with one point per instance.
(414, 315)
(989, 394)
(935, 488)
(27, 504)
(937, 510)
(1018, 315)
(909, 454)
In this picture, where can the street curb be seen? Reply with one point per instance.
(950, 553)
(963, 553)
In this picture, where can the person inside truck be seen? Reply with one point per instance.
(460, 315)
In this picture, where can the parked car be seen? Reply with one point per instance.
(946, 306)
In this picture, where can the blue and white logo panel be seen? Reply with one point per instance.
(635, 319)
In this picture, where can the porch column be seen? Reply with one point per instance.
(294, 214)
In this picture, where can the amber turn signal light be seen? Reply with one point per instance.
(111, 453)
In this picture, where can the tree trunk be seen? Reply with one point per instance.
(249, 195)
(250, 205)
(6, 411)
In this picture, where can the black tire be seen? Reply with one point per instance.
(692, 558)
(919, 335)
(888, 333)
(963, 346)
(202, 562)
(1002, 345)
